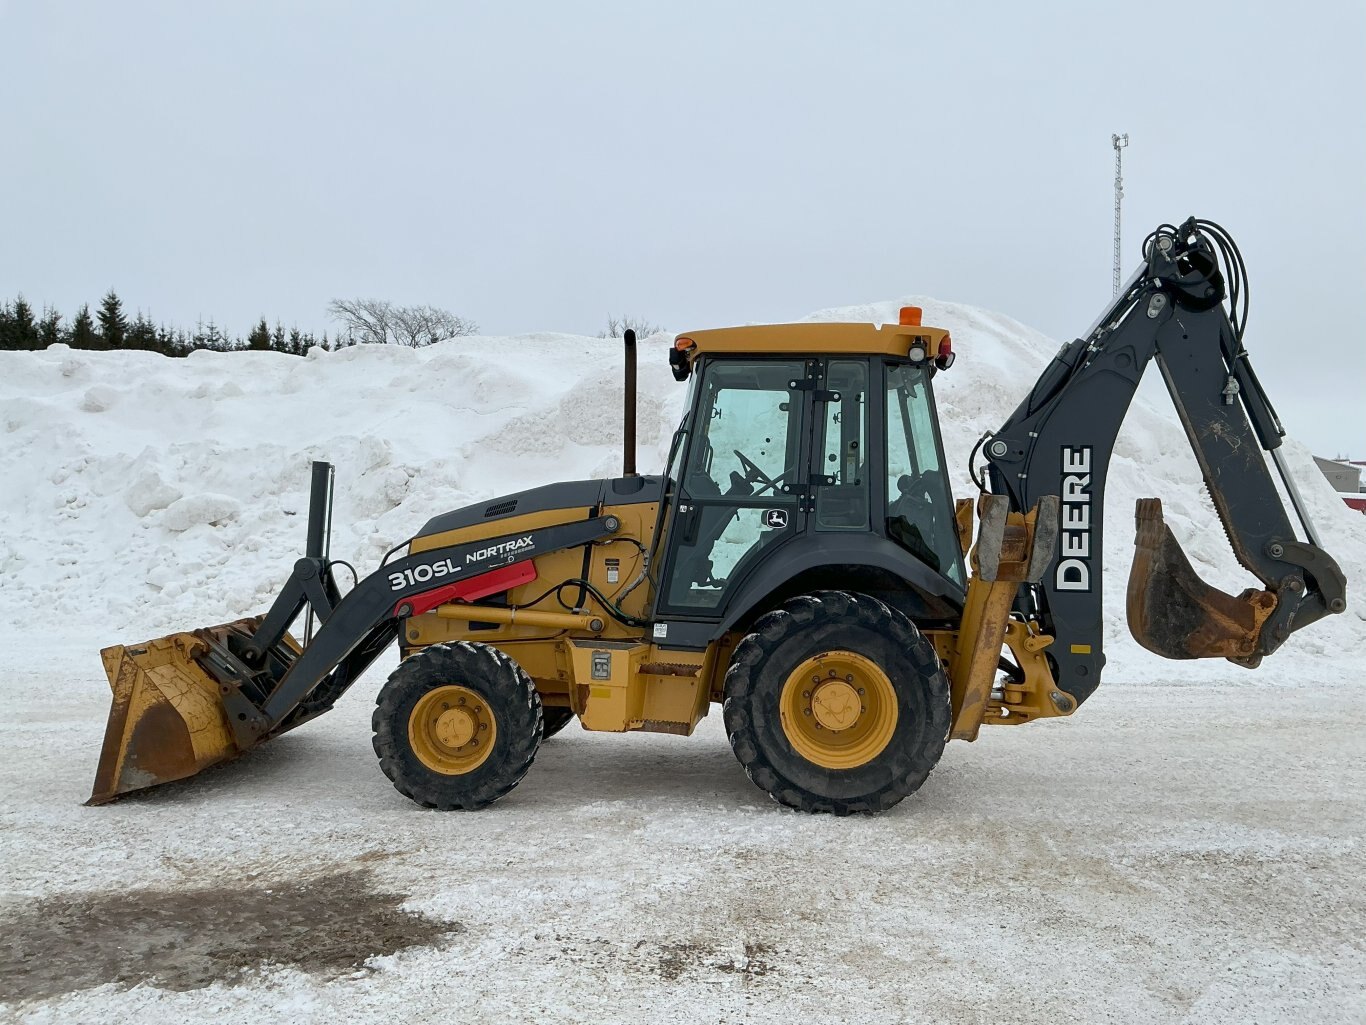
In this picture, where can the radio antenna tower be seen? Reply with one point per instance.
(1118, 142)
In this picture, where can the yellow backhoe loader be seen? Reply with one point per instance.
(801, 562)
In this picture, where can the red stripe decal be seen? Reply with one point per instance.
(495, 581)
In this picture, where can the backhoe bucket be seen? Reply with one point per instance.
(1176, 614)
(167, 720)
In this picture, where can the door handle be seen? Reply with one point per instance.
(692, 518)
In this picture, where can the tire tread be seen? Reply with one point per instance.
(505, 685)
(799, 615)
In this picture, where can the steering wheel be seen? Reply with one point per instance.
(755, 475)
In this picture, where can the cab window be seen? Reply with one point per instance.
(841, 476)
(919, 500)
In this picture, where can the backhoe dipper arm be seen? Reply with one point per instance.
(1060, 440)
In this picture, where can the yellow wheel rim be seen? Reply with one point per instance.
(451, 730)
(838, 710)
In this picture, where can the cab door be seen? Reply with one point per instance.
(744, 479)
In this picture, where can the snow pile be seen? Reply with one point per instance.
(142, 494)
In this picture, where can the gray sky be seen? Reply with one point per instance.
(538, 165)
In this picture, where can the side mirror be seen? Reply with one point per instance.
(680, 364)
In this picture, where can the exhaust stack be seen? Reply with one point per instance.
(628, 457)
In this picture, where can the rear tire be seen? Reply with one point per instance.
(457, 726)
(884, 719)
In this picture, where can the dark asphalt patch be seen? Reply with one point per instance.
(187, 938)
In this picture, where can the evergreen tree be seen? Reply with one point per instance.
(166, 341)
(259, 339)
(83, 330)
(23, 329)
(142, 334)
(113, 324)
(50, 329)
(109, 327)
(215, 339)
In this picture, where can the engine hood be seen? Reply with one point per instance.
(573, 494)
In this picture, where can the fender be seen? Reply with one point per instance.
(815, 551)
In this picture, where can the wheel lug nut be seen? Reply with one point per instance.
(816, 679)
(483, 725)
(806, 693)
(806, 711)
(860, 690)
(849, 678)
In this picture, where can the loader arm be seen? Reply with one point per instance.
(194, 699)
(362, 624)
(1061, 438)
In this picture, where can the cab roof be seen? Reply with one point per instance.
(812, 338)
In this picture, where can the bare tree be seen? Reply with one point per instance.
(426, 325)
(618, 326)
(379, 322)
(364, 320)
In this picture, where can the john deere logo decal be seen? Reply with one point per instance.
(1073, 572)
(776, 518)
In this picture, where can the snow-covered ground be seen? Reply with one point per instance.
(1173, 853)
(1186, 848)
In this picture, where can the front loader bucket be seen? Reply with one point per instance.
(167, 720)
(1176, 614)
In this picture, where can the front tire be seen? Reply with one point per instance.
(836, 703)
(457, 726)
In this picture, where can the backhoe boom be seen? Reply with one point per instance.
(1061, 438)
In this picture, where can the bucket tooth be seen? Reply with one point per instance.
(1174, 613)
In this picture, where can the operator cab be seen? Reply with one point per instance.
(814, 441)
